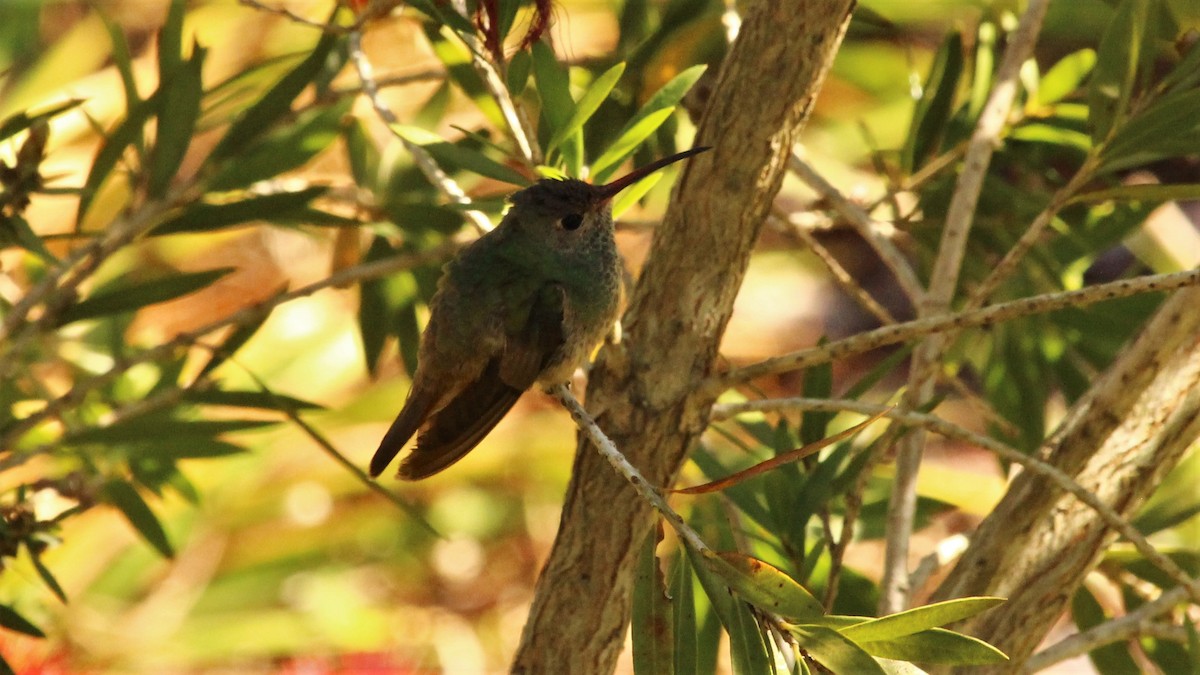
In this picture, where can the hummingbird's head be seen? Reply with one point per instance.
(571, 213)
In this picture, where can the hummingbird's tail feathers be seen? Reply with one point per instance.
(457, 428)
(415, 410)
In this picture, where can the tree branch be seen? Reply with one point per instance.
(902, 506)
(644, 392)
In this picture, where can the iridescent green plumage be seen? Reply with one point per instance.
(523, 305)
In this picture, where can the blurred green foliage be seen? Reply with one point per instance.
(164, 186)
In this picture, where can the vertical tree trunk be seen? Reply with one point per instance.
(644, 390)
(1118, 441)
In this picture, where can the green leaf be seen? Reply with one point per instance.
(651, 615)
(128, 297)
(1116, 68)
(287, 149)
(1185, 74)
(249, 399)
(126, 499)
(587, 106)
(113, 148)
(1169, 128)
(450, 156)
(519, 67)
(937, 646)
(46, 575)
(15, 124)
(170, 41)
(1109, 659)
(1153, 194)
(1065, 77)
(834, 651)
(918, 619)
(159, 426)
(10, 619)
(558, 108)
(202, 217)
(764, 586)
(458, 61)
(179, 108)
(818, 383)
(685, 629)
(747, 649)
(122, 59)
(627, 143)
(20, 233)
(632, 194)
(174, 448)
(932, 113)
(1193, 645)
(276, 103)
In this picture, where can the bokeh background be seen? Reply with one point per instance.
(286, 561)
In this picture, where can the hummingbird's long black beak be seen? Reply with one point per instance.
(610, 190)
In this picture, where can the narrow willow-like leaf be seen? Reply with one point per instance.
(627, 143)
(158, 425)
(1142, 193)
(203, 217)
(685, 627)
(289, 148)
(747, 649)
(1170, 128)
(666, 98)
(16, 123)
(764, 586)
(1066, 76)
(449, 155)
(937, 646)
(46, 575)
(652, 611)
(10, 619)
(834, 651)
(136, 295)
(277, 102)
(918, 619)
(126, 499)
(933, 111)
(1116, 67)
(249, 399)
(113, 148)
(179, 108)
(587, 106)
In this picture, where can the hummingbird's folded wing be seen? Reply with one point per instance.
(463, 422)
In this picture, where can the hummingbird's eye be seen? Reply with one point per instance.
(571, 221)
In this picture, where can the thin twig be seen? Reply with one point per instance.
(872, 231)
(425, 163)
(840, 276)
(960, 215)
(902, 332)
(609, 451)
(940, 426)
(1125, 627)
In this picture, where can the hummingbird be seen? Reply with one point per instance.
(524, 304)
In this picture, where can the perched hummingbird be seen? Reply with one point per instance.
(524, 304)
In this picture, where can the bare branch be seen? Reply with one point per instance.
(1132, 625)
(942, 284)
(902, 332)
(871, 230)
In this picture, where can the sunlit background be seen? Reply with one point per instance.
(287, 561)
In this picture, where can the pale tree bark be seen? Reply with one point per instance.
(1118, 441)
(645, 391)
